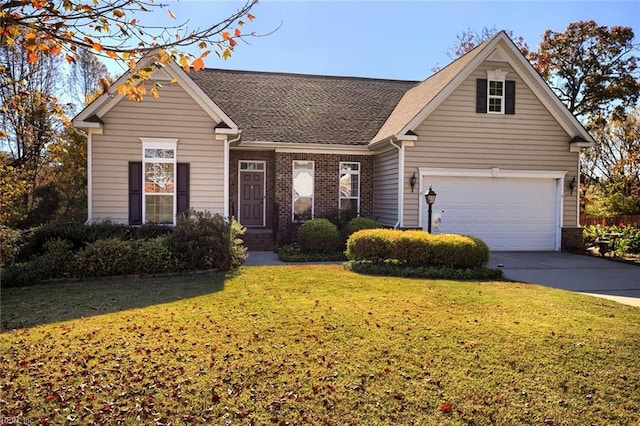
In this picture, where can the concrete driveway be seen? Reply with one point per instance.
(584, 274)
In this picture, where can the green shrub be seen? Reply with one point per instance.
(22, 274)
(373, 245)
(11, 240)
(417, 248)
(627, 243)
(318, 236)
(79, 235)
(107, 257)
(358, 224)
(58, 260)
(201, 240)
(152, 256)
(433, 272)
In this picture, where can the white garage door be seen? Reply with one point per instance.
(507, 213)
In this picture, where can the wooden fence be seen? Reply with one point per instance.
(633, 220)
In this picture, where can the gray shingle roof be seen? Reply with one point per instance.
(297, 108)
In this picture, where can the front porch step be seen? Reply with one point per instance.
(259, 239)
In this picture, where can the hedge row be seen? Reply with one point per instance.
(417, 249)
(199, 241)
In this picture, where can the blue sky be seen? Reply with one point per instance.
(397, 40)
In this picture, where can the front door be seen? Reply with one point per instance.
(251, 204)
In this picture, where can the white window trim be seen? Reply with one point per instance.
(499, 76)
(313, 193)
(351, 172)
(160, 143)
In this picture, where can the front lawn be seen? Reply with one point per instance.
(316, 345)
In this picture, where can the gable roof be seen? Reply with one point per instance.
(90, 116)
(300, 108)
(420, 101)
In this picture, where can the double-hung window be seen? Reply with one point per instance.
(349, 194)
(302, 190)
(159, 182)
(495, 94)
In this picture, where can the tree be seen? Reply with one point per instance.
(615, 161)
(591, 68)
(30, 119)
(467, 40)
(114, 29)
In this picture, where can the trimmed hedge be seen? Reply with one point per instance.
(318, 236)
(417, 249)
(431, 272)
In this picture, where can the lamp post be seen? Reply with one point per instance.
(430, 197)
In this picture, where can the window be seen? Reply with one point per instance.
(349, 194)
(159, 182)
(302, 190)
(494, 94)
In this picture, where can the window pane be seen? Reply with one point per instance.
(303, 165)
(346, 167)
(158, 153)
(159, 209)
(302, 209)
(495, 105)
(303, 184)
(349, 204)
(158, 178)
(495, 88)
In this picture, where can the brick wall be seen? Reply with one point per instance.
(572, 240)
(326, 186)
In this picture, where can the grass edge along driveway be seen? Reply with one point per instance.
(318, 345)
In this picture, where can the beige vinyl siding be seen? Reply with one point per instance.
(385, 187)
(455, 136)
(175, 115)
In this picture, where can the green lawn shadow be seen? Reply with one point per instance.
(23, 307)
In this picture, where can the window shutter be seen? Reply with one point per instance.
(510, 97)
(182, 183)
(481, 95)
(135, 193)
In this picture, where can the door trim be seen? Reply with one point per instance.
(264, 189)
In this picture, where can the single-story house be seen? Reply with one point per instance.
(486, 133)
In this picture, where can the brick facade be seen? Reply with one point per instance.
(279, 168)
(572, 240)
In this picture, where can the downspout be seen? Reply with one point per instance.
(89, 178)
(400, 221)
(227, 144)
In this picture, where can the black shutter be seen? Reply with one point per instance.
(481, 95)
(182, 184)
(135, 193)
(510, 97)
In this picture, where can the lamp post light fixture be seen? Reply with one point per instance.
(430, 197)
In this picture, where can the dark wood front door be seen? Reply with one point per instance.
(252, 198)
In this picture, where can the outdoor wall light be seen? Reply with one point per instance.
(430, 198)
(572, 185)
(413, 180)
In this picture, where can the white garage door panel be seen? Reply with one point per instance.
(507, 213)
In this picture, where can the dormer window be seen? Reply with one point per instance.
(495, 95)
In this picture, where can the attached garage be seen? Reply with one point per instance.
(509, 210)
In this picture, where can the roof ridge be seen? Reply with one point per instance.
(321, 76)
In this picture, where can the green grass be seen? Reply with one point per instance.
(317, 345)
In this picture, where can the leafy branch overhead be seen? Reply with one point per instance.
(116, 29)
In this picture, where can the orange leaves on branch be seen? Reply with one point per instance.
(225, 35)
(237, 32)
(226, 54)
(250, 17)
(171, 14)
